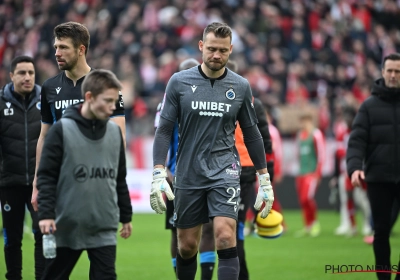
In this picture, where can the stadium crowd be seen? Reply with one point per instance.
(320, 52)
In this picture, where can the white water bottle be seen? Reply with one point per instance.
(49, 246)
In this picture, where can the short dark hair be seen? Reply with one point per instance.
(392, 56)
(98, 81)
(188, 63)
(19, 59)
(220, 30)
(78, 33)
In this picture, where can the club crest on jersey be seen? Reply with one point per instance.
(7, 207)
(38, 105)
(9, 111)
(230, 94)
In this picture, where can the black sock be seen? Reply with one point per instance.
(186, 269)
(207, 269)
(228, 264)
(244, 273)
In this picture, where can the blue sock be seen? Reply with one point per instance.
(240, 231)
(174, 264)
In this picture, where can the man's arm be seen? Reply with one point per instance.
(357, 146)
(39, 147)
(255, 146)
(161, 143)
(120, 121)
(263, 127)
(48, 172)
(124, 201)
(159, 184)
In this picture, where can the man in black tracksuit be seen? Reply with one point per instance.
(373, 154)
(19, 131)
(83, 193)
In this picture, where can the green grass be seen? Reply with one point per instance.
(146, 254)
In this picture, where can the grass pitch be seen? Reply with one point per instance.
(145, 255)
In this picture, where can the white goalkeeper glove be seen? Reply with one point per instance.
(265, 194)
(159, 186)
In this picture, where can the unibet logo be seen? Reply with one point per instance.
(212, 106)
(212, 109)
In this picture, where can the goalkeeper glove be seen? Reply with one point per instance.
(158, 186)
(265, 194)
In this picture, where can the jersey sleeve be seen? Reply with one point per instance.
(119, 107)
(45, 110)
(247, 115)
(169, 108)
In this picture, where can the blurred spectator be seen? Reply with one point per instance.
(334, 47)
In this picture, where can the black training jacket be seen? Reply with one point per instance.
(19, 131)
(374, 144)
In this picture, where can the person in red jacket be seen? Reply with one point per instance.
(311, 157)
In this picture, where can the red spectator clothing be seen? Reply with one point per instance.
(359, 94)
(341, 136)
(313, 20)
(297, 95)
(342, 139)
(277, 149)
(317, 39)
(364, 16)
(324, 118)
(306, 185)
(341, 147)
(312, 155)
